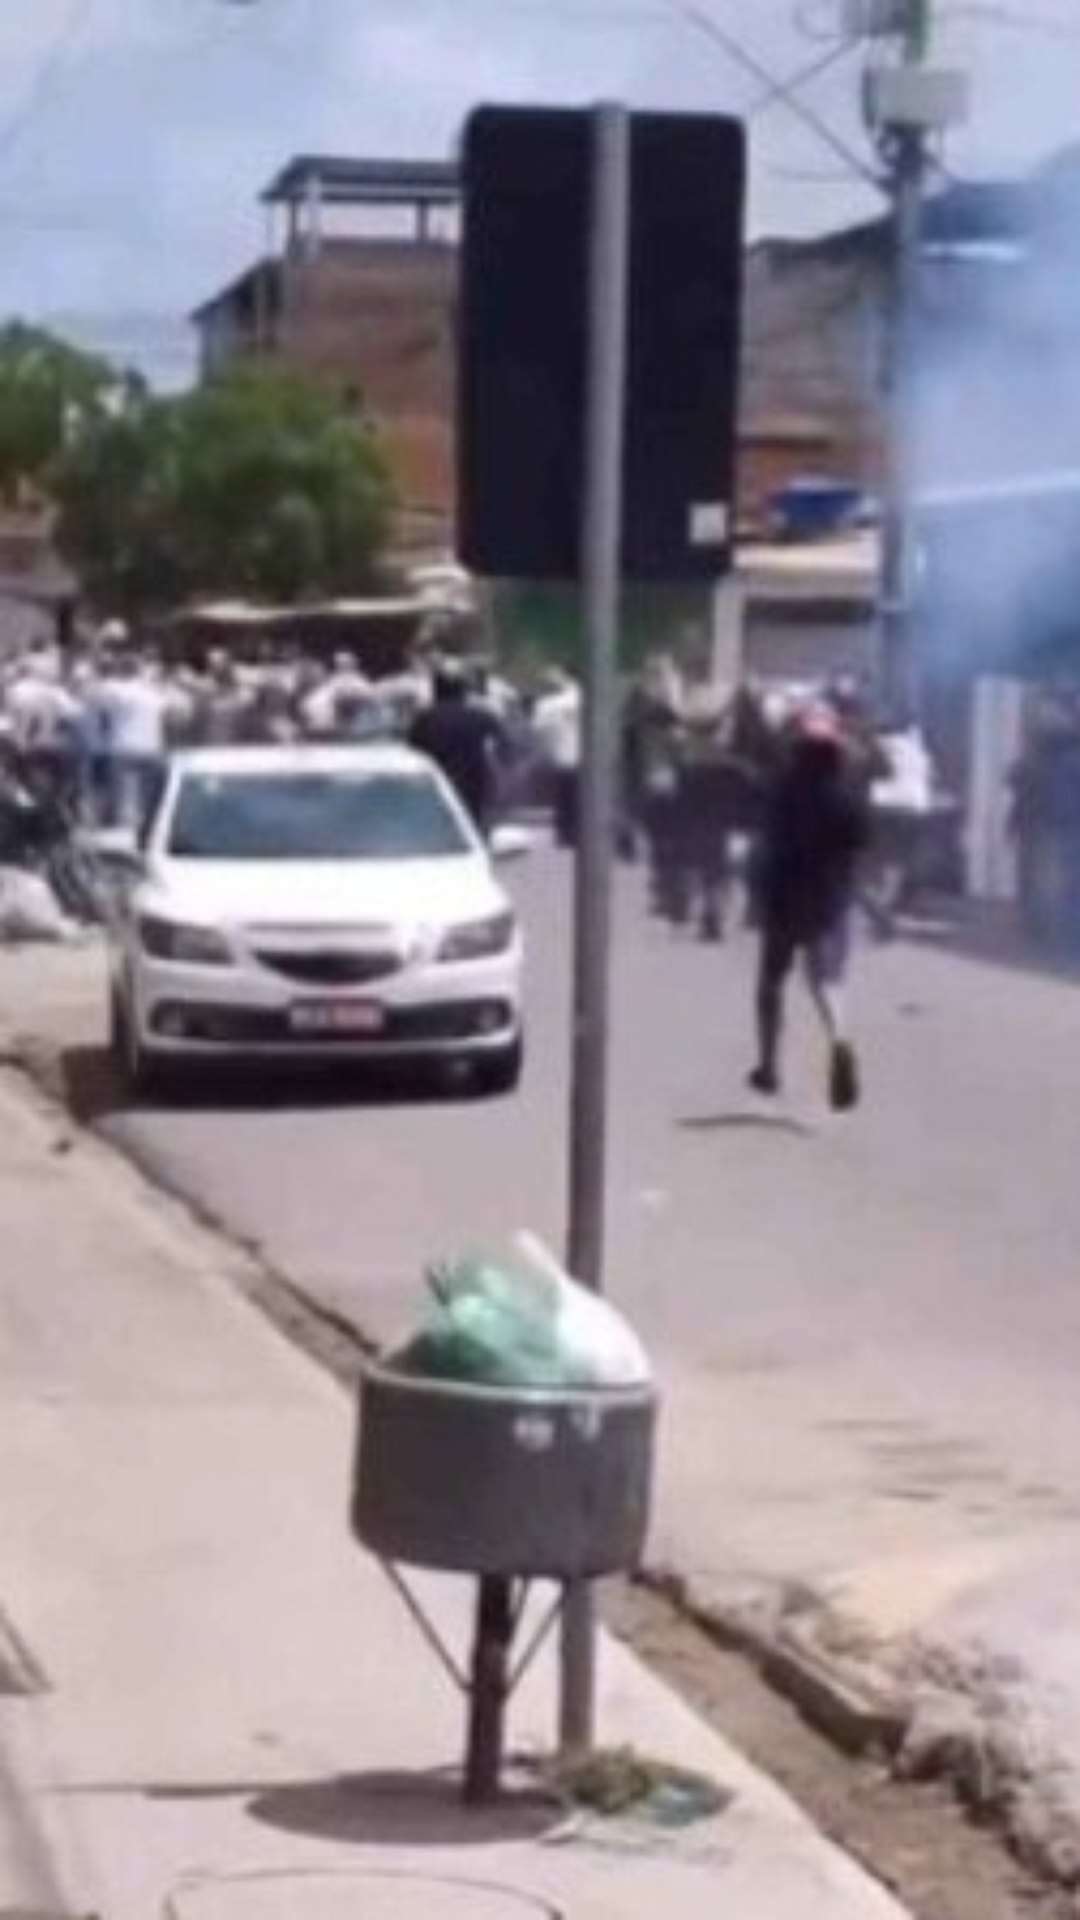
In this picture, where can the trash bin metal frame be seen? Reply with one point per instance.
(555, 1485)
(494, 1676)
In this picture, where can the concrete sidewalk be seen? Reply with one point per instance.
(236, 1711)
(868, 1334)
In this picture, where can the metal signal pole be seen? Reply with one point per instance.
(601, 573)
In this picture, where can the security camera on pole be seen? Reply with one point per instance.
(909, 104)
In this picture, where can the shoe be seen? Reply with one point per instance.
(844, 1087)
(764, 1080)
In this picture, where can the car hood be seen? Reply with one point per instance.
(339, 894)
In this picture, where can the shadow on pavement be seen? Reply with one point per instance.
(90, 1084)
(746, 1120)
(402, 1810)
(92, 1089)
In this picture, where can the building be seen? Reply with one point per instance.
(815, 323)
(358, 287)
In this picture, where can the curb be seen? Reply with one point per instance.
(857, 1713)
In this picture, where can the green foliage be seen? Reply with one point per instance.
(116, 491)
(49, 393)
(255, 485)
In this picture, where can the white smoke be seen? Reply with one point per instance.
(996, 433)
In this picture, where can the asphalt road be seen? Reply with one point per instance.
(868, 1328)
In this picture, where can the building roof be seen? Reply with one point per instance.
(346, 182)
(266, 273)
(967, 214)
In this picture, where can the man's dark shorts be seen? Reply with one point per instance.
(826, 951)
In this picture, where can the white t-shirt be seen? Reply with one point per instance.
(321, 707)
(557, 723)
(909, 786)
(132, 714)
(42, 712)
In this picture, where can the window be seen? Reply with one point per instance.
(313, 816)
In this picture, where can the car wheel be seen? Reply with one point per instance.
(496, 1074)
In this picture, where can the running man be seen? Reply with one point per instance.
(817, 827)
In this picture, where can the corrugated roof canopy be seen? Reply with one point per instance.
(365, 182)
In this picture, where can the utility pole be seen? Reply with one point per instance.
(907, 190)
(908, 104)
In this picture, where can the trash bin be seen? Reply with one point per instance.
(524, 1483)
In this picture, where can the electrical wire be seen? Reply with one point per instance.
(777, 93)
(49, 72)
(1039, 24)
(780, 92)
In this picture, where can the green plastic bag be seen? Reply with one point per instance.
(493, 1325)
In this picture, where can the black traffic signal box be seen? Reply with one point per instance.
(524, 342)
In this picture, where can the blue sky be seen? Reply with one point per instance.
(136, 134)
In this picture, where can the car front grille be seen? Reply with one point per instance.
(338, 967)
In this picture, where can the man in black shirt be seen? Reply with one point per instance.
(817, 827)
(465, 741)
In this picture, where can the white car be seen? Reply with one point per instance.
(312, 902)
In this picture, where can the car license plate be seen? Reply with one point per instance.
(337, 1016)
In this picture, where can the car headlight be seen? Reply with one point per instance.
(190, 946)
(478, 939)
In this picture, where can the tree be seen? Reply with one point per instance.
(118, 525)
(49, 393)
(256, 484)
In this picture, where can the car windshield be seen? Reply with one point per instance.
(313, 816)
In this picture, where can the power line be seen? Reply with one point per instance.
(48, 73)
(779, 91)
(782, 92)
(1039, 24)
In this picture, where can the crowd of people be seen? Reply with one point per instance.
(712, 787)
(794, 802)
(777, 790)
(793, 798)
(94, 728)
